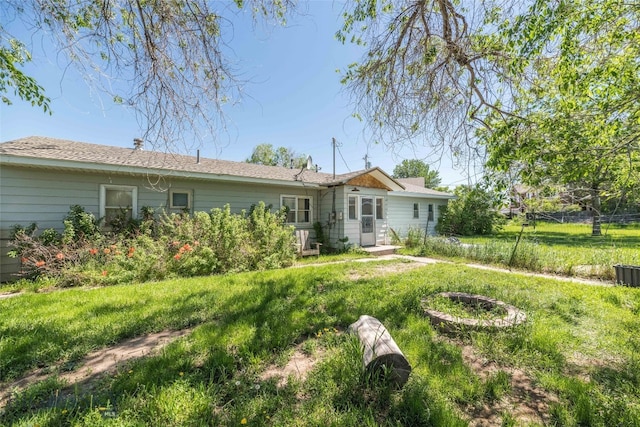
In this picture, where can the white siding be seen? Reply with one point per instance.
(30, 195)
(400, 209)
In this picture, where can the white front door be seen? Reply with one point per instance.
(367, 222)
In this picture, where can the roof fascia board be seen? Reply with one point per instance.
(421, 195)
(102, 167)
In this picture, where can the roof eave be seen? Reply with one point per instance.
(422, 195)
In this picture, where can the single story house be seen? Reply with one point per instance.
(40, 178)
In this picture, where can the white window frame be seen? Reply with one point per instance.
(381, 199)
(297, 209)
(416, 211)
(189, 194)
(356, 210)
(103, 198)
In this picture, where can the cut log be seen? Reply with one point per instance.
(381, 355)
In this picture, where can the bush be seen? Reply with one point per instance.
(173, 245)
(474, 212)
(415, 237)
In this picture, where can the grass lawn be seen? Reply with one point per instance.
(576, 359)
(567, 249)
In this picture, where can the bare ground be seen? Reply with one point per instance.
(96, 364)
(527, 403)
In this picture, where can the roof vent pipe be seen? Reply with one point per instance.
(137, 143)
(198, 156)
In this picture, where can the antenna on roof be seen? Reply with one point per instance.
(137, 143)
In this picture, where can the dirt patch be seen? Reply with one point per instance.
(97, 363)
(383, 270)
(298, 366)
(9, 295)
(527, 403)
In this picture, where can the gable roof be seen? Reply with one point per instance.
(375, 172)
(53, 153)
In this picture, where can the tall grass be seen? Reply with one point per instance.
(579, 345)
(551, 248)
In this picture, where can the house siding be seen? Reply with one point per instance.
(400, 211)
(30, 195)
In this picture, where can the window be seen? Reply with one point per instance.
(179, 199)
(416, 210)
(379, 208)
(298, 209)
(118, 200)
(353, 207)
(430, 217)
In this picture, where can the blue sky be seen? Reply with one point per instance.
(293, 99)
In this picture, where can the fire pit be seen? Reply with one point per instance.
(504, 315)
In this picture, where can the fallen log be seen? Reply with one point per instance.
(381, 355)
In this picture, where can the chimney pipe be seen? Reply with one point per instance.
(198, 156)
(137, 143)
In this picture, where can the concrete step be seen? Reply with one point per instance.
(381, 250)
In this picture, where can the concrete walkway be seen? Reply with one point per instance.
(424, 260)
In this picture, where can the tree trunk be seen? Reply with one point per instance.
(595, 206)
(381, 353)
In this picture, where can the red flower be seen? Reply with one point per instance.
(107, 251)
(60, 256)
(93, 251)
(104, 272)
(40, 263)
(177, 256)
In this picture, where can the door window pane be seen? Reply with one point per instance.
(367, 206)
(367, 224)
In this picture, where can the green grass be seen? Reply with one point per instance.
(580, 344)
(567, 249)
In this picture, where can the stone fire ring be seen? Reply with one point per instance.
(448, 322)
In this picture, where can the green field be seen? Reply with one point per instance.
(577, 354)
